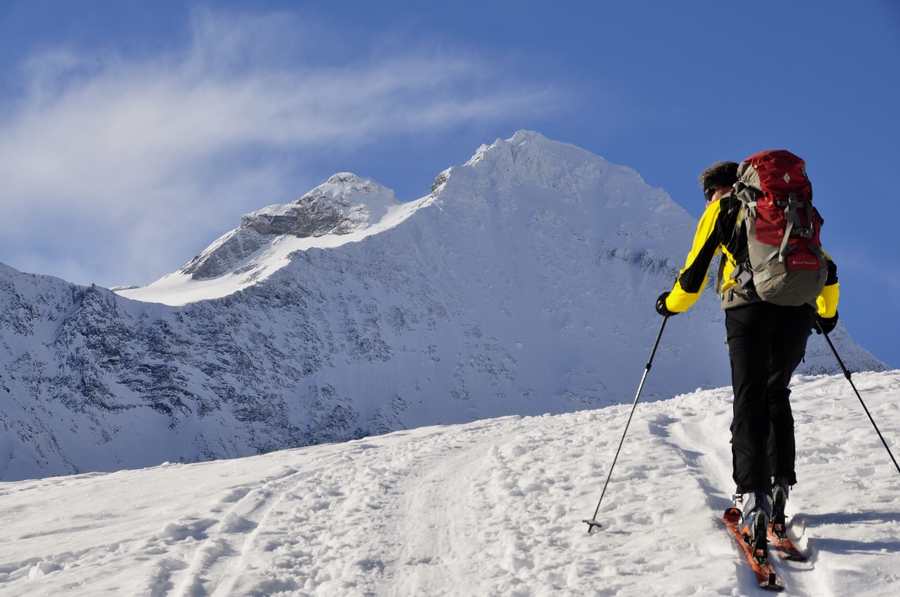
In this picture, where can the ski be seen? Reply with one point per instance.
(783, 544)
(765, 574)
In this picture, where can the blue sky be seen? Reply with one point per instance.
(132, 134)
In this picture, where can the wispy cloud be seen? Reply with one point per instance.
(111, 167)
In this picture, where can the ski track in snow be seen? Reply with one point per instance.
(488, 508)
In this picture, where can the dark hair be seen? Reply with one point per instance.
(720, 174)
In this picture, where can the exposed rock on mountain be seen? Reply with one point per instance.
(327, 209)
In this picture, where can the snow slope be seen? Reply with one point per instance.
(492, 507)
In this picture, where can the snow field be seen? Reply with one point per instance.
(493, 507)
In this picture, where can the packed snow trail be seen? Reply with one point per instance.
(488, 508)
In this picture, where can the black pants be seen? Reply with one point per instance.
(766, 342)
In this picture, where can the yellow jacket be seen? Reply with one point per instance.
(717, 232)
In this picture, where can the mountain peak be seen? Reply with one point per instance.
(346, 208)
(520, 138)
(361, 201)
(529, 157)
(522, 144)
(344, 204)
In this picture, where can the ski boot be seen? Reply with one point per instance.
(755, 524)
(780, 493)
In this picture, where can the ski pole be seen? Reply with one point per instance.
(852, 385)
(593, 521)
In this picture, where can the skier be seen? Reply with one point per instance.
(765, 341)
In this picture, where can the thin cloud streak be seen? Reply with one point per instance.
(100, 144)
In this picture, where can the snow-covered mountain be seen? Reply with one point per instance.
(522, 284)
(493, 507)
(344, 209)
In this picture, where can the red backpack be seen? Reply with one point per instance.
(785, 258)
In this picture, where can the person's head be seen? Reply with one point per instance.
(717, 180)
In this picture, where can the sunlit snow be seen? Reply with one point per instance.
(487, 508)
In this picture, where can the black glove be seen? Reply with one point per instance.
(661, 306)
(825, 324)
